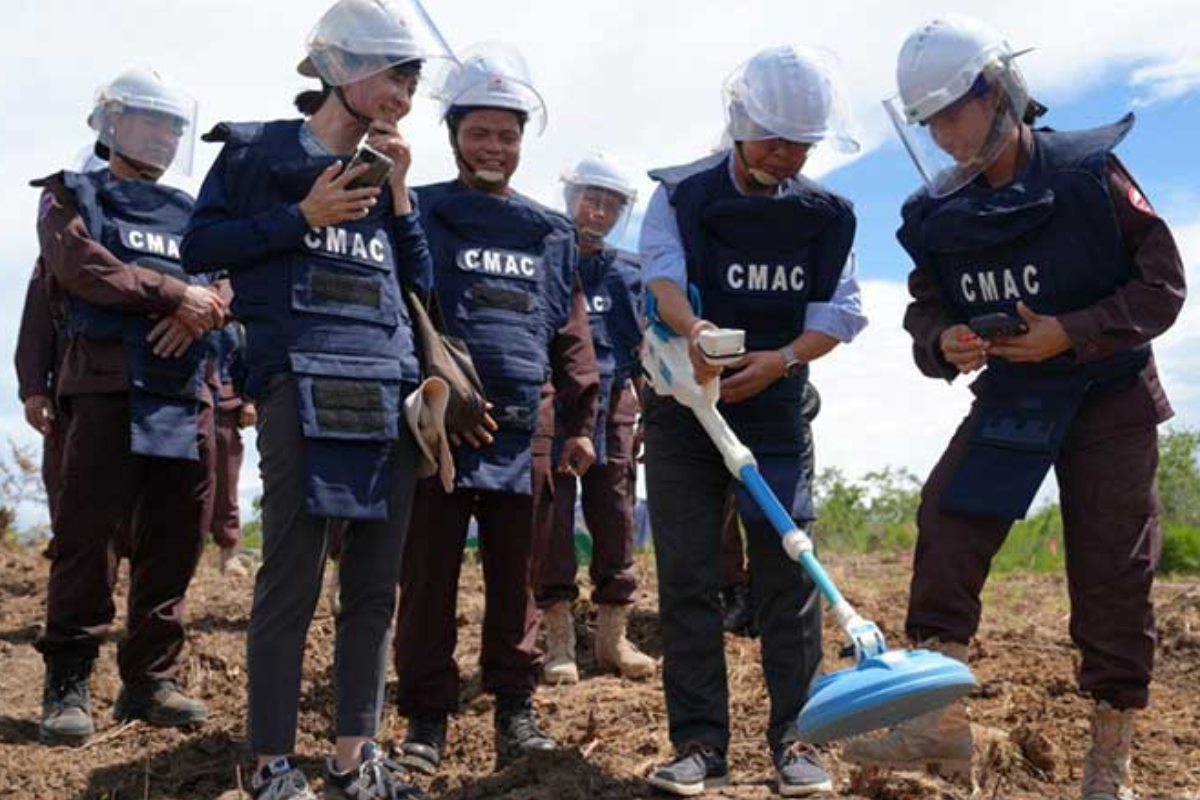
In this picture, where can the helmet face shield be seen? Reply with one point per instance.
(601, 214)
(356, 39)
(600, 193)
(490, 75)
(146, 119)
(793, 93)
(956, 143)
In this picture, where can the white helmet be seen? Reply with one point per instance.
(356, 39)
(602, 172)
(941, 60)
(144, 91)
(789, 92)
(491, 75)
(946, 60)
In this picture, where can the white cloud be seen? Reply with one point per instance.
(1167, 79)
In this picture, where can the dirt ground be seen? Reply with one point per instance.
(1030, 717)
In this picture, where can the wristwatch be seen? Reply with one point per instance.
(792, 364)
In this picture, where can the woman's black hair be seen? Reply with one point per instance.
(309, 102)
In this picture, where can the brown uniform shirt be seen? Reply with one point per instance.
(39, 339)
(1132, 315)
(575, 382)
(86, 269)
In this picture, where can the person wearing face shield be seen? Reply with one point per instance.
(1047, 232)
(506, 277)
(767, 251)
(317, 261)
(599, 194)
(134, 408)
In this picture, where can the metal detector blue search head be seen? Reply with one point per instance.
(882, 691)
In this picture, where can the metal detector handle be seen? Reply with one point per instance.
(796, 541)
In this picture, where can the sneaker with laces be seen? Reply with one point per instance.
(799, 772)
(375, 778)
(280, 780)
(696, 767)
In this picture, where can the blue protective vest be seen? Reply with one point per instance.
(229, 343)
(612, 287)
(141, 223)
(331, 313)
(757, 263)
(503, 271)
(1051, 240)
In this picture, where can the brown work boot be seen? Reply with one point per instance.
(559, 667)
(231, 563)
(614, 651)
(938, 742)
(1106, 767)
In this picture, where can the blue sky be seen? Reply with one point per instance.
(642, 81)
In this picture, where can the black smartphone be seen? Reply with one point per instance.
(379, 167)
(989, 326)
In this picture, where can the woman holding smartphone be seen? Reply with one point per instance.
(316, 257)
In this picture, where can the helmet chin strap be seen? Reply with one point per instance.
(361, 119)
(144, 171)
(489, 178)
(761, 179)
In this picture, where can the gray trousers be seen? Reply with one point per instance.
(288, 585)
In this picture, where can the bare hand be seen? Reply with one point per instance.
(963, 348)
(578, 455)
(387, 139)
(39, 413)
(481, 435)
(701, 369)
(1045, 339)
(171, 337)
(247, 415)
(330, 202)
(756, 372)
(202, 310)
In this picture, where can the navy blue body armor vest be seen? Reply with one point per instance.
(331, 313)
(1051, 240)
(612, 287)
(141, 223)
(503, 271)
(757, 263)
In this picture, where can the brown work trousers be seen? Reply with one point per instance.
(104, 486)
(427, 617)
(1111, 534)
(224, 520)
(608, 504)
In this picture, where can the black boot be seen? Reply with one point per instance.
(737, 610)
(66, 702)
(517, 732)
(160, 703)
(424, 742)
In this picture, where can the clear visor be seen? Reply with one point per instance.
(957, 144)
(157, 132)
(793, 93)
(601, 214)
(491, 75)
(360, 38)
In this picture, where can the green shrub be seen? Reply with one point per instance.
(1181, 550)
(1033, 544)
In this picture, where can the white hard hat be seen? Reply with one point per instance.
(947, 60)
(356, 39)
(491, 75)
(144, 90)
(942, 59)
(789, 92)
(603, 171)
